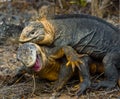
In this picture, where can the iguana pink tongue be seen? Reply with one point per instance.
(37, 65)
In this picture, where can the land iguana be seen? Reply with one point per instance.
(36, 59)
(82, 34)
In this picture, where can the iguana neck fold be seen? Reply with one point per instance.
(42, 52)
(49, 32)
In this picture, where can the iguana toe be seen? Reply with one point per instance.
(83, 88)
(104, 84)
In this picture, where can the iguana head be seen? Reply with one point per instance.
(32, 32)
(39, 32)
(31, 56)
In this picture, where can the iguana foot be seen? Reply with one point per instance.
(57, 86)
(104, 84)
(83, 87)
(74, 60)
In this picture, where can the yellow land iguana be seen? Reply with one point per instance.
(37, 60)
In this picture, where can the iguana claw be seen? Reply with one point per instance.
(73, 64)
(75, 61)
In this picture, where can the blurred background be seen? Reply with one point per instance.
(21, 11)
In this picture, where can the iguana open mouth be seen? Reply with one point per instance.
(38, 64)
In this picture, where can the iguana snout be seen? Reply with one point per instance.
(29, 55)
(34, 31)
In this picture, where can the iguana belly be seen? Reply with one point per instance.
(96, 67)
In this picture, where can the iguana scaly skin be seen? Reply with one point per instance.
(82, 34)
(37, 59)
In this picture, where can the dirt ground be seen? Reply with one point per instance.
(31, 88)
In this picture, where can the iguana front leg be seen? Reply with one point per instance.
(71, 55)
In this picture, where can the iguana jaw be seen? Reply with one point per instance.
(30, 56)
(34, 38)
(38, 64)
(24, 40)
(34, 31)
(38, 38)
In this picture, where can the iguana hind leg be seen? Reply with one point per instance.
(111, 63)
(119, 80)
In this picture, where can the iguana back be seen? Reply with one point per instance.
(84, 33)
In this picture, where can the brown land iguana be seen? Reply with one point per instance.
(37, 59)
(84, 34)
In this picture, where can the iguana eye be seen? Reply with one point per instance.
(32, 33)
